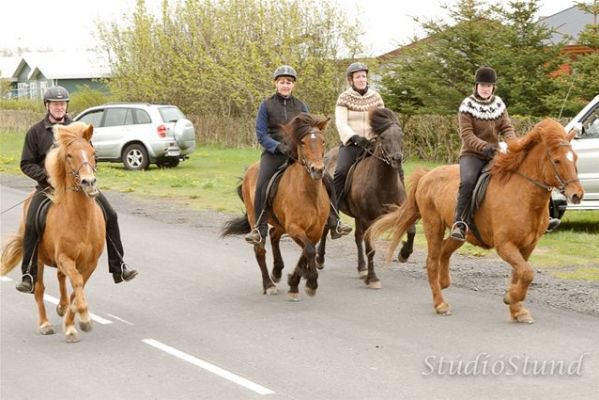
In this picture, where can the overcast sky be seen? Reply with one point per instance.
(63, 24)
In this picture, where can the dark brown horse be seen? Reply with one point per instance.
(375, 185)
(512, 217)
(300, 207)
(74, 235)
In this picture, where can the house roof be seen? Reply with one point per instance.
(567, 23)
(64, 65)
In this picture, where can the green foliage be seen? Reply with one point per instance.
(435, 74)
(85, 97)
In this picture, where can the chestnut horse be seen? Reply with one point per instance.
(512, 217)
(300, 207)
(74, 235)
(375, 185)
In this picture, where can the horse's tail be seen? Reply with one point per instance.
(236, 226)
(12, 253)
(400, 219)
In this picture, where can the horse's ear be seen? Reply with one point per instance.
(323, 124)
(570, 135)
(88, 133)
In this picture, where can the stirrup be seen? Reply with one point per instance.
(340, 230)
(254, 237)
(27, 285)
(458, 231)
(553, 224)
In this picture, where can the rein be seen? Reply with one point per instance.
(562, 182)
(76, 173)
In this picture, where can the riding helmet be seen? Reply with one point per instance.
(284, 70)
(56, 93)
(355, 67)
(485, 74)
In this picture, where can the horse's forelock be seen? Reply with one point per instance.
(382, 119)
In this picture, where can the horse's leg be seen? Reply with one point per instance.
(522, 276)
(85, 321)
(311, 272)
(359, 238)
(434, 229)
(447, 249)
(278, 264)
(268, 285)
(407, 247)
(322, 248)
(63, 303)
(372, 280)
(45, 328)
(78, 304)
(293, 279)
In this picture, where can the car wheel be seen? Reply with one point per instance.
(135, 157)
(168, 162)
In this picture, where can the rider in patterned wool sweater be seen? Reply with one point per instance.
(353, 123)
(482, 118)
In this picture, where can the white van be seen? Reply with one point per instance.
(586, 145)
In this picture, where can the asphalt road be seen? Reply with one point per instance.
(195, 325)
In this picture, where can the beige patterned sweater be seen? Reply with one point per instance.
(351, 113)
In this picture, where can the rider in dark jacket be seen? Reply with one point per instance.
(38, 142)
(273, 112)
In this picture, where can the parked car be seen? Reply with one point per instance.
(139, 134)
(586, 145)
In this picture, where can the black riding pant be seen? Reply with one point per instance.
(32, 236)
(269, 164)
(470, 169)
(347, 156)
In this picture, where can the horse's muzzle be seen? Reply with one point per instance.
(575, 198)
(396, 160)
(89, 186)
(316, 172)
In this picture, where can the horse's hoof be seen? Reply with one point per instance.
(46, 329)
(363, 273)
(293, 296)
(402, 259)
(275, 279)
(320, 265)
(61, 309)
(310, 292)
(271, 291)
(86, 326)
(523, 318)
(506, 299)
(443, 309)
(375, 285)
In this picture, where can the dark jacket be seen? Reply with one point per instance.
(38, 141)
(274, 112)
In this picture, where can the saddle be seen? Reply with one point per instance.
(478, 195)
(350, 175)
(273, 184)
(41, 214)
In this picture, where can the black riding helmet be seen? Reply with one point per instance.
(355, 67)
(284, 70)
(56, 93)
(485, 74)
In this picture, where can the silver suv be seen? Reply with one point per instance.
(138, 134)
(586, 145)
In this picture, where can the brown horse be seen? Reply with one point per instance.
(300, 207)
(375, 185)
(512, 217)
(74, 235)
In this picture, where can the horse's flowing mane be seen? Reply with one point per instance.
(301, 125)
(55, 160)
(548, 132)
(381, 119)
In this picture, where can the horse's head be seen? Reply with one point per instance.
(388, 136)
(72, 163)
(304, 134)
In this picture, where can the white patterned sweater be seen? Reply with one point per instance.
(351, 113)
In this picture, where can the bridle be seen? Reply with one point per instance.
(76, 173)
(562, 182)
(380, 153)
(305, 163)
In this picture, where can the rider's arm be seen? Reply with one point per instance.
(265, 140)
(506, 128)
(470, 140)
(30, 158)
(341, 120)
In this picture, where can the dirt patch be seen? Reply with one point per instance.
(486, 274)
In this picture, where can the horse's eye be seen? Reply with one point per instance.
(69, 156)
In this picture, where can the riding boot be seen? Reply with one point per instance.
(258, 234)
(460, 225)
(553, 224)
(30, 243)
(334, 223)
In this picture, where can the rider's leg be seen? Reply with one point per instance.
(346, 157)
(334, 223)
(269, 164)
(30, 242)
(470, 168)
(114, 245)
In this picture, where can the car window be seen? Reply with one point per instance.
(591, 124)
(171, 114)
(141, 116)
(92, 118)
(118, 116)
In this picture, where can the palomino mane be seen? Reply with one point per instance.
(381, 119)
(301, 125)
(55, 160)
(548, 132)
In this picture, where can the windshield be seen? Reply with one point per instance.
(171, 114)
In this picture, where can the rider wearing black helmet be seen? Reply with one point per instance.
(38, 141)
(351, 118)
(273, 112)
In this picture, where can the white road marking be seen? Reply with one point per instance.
(209, 367)
(5, 279)
(120, 319)
(93, 316)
